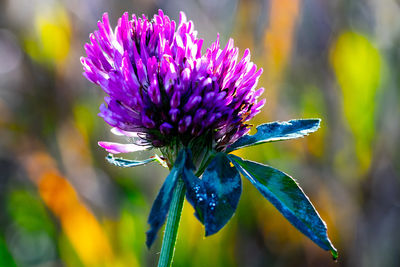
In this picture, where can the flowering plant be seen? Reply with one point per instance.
(164, 93)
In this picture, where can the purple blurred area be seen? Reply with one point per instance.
(62, 204)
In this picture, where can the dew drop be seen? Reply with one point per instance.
(196, 189)
(212, 205)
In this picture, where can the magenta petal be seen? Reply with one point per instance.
(116, 148)
(119, 132)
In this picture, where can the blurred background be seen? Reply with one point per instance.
(62, 204)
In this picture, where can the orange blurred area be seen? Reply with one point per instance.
(84, 232)
(279, 34)
(278, 42)
(62, 204)
(79, 224)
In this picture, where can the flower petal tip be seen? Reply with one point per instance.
(116, 148)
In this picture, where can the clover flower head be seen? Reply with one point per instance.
(162, 88)
(164, 92)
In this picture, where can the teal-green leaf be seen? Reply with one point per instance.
(161, 205)
(277, 131)
(127, 163)
(285, 194)
(214, 197)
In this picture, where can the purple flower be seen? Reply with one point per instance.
(162, 90)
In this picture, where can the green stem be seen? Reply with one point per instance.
(171, 229)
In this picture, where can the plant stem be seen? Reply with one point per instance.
(171, 229)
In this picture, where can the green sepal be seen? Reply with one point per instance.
(127, 163)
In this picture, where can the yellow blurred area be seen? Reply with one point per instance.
(126, 232)
(192, 244)
(357, 65)
(84, 120)
(79, 224)
(51, 39)
(191, 227)
(312, 104)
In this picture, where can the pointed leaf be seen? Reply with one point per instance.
(285, 194)
(162, 203)
(214, 197)
(276, 131)
(127, 163)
